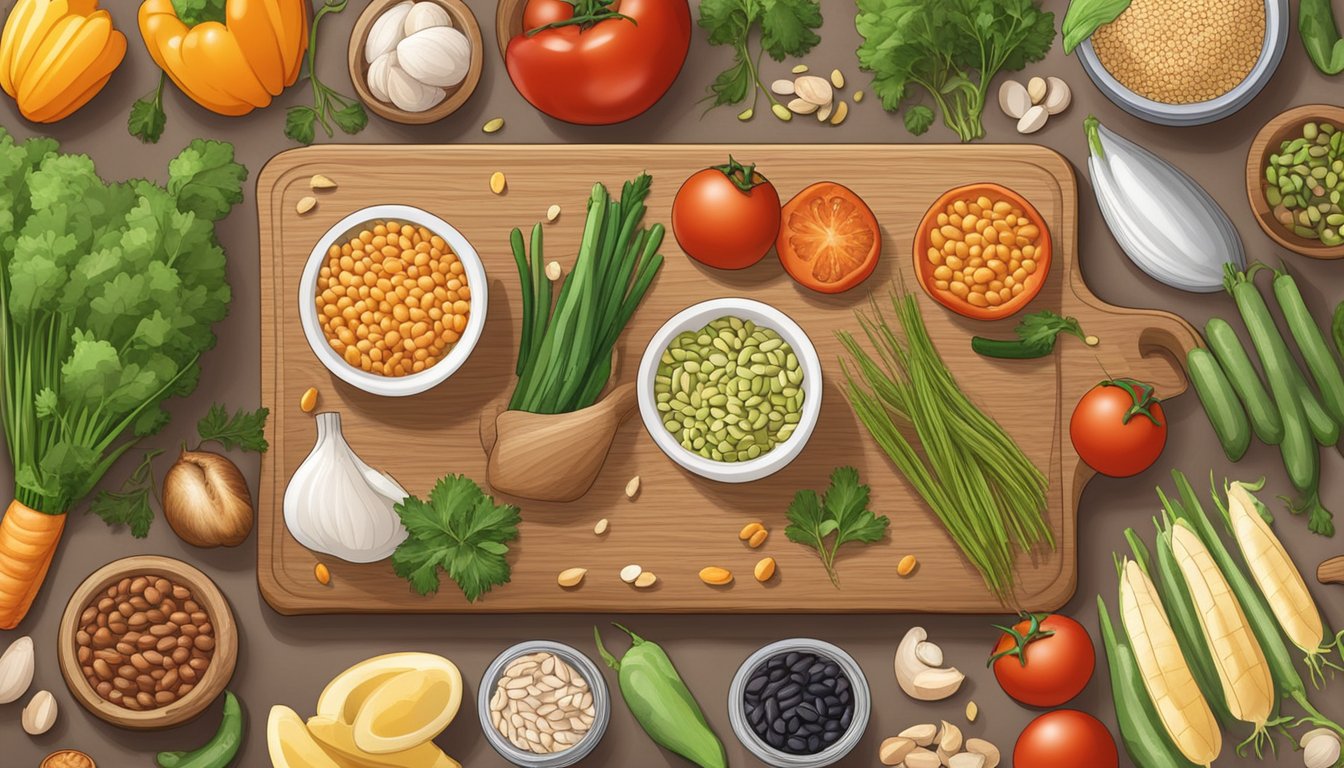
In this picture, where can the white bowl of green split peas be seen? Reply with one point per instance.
(730, 389)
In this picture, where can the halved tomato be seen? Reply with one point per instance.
(982, 251)
(829, 240)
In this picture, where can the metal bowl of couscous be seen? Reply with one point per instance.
(1187, 62)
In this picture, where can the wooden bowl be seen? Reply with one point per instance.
(463, 19)
(1286, 126)
(924, 268)
(508, 22)
(212, 683)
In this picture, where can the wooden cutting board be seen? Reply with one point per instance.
(680, 523)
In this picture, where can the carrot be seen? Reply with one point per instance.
(28, 540)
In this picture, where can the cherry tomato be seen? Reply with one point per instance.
(726, 216)
(1119, 428)
(828, 238)
(1043, 661)
(1065, 738)
(598, 62)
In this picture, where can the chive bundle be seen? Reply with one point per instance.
(564, 358)
(988, 495)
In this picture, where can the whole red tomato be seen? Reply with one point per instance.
(1065, 738)
(1119, 428)
(597, 62)
(1043, 661)
(726, 216)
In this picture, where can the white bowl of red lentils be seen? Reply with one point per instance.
(393, 300)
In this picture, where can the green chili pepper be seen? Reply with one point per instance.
(661, 702)
(1320, 36)
(220, 750)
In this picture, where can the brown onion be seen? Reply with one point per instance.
(206, 501)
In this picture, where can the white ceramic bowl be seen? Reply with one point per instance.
(1271, 53)
(386, 385)
(696, 317)
(581, 664)
(858, 684)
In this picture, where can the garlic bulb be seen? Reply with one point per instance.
(410, 94)
(425, 15)
(387, 31)
(338, 505)
(378, 72)
(438, 56)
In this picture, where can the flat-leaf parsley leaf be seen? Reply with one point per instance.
(839, 517)
(788, 28)
(459, 530)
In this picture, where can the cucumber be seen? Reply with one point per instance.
(1301, 456)
(1236, 365)
(1220, 403)
(1324, 428)
(1311, 342)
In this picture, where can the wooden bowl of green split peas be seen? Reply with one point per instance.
(1294, 168)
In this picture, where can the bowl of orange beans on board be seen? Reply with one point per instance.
(982, 251)
(393, 300)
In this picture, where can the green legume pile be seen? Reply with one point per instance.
(730, 391)
(1306, 181)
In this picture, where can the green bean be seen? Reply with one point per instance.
(220, 750)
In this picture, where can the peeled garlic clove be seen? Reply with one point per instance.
(438, 56)
(1058, 96)
(378, 74)
(1014, 99)
(386, 31)
(1036, 88)
(410, 94)
(1033, 120)
(425, 15)
(16, 670)
(816, 90)
(40, 714)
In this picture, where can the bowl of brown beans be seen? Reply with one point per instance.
(147, 642)
(393, 300)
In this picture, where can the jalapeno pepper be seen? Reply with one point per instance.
(220, 750)
(661, 702)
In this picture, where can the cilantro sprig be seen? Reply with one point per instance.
(840, 517)
(460, 531)
(787, 28)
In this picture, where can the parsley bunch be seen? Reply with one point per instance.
(787, 28)
(108, 292)
(952, 49)
(839, 517)
(460, 530)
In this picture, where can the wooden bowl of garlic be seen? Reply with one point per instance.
(415, 61)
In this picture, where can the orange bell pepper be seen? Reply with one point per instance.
(233, 67)
(56, 55)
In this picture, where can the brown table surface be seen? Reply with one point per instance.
(288, 660)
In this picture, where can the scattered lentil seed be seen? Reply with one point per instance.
(553, 271)
(972, 711)
(764, 570)
(799, 69)
(858, 96)
(907, 565)
(632, 487)
(571, 577)
(646, 580)
(322, 573)
(305, 204)
(757, 539)
(841, 112)
(498, 182)
(1182, 53)
(493, 125)
(601, 527)
(553, 213)
(782, 112)
(630, 573)
(321, 182)
(716, 576)
(308, 401)
(837, 78)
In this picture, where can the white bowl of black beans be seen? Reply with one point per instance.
(799, 703)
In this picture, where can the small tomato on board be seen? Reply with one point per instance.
(829, 240)
(1119, 427)
(1065, 738)
(726, 216)
(1043, 660)
(598, 62)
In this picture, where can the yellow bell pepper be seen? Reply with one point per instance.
(233, 67)
(56, 55)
